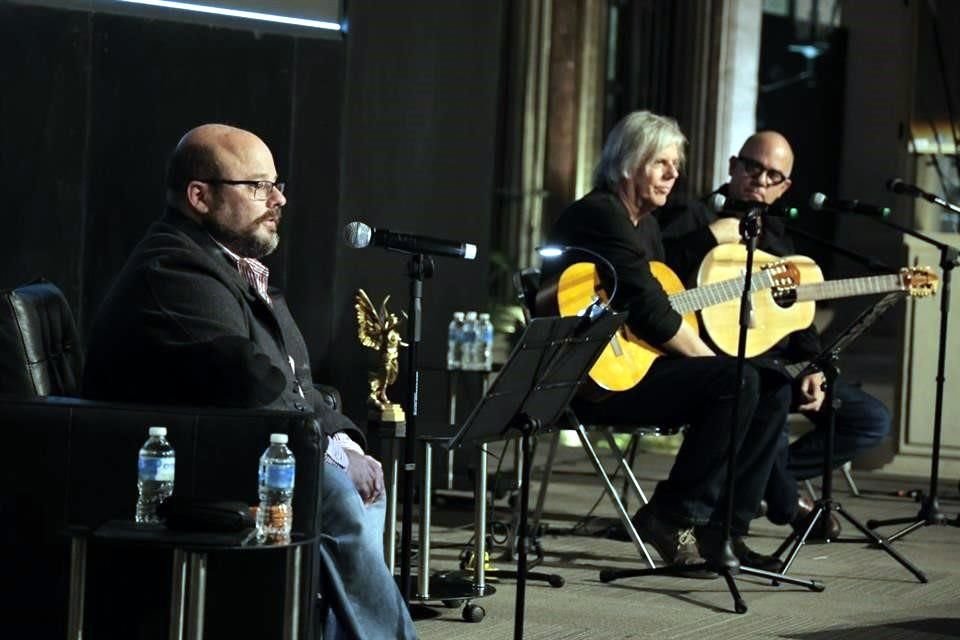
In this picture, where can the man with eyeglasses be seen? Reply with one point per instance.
(199, 326)
(760, 172)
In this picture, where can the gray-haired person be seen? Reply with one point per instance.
(689, 384)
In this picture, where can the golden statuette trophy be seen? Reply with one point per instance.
(378, 330)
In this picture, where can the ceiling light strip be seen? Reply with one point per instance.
(237, 13)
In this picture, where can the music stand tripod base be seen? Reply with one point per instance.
(826, 362)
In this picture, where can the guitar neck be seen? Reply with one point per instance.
(849, 287)
(718, 292)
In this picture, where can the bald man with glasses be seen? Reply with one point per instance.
(760, 173)
(190, 320)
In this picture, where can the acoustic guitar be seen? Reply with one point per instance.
(777, 313)
(626, 359)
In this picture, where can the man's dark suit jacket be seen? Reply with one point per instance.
(180, 325)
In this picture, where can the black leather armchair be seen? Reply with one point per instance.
(70, 462)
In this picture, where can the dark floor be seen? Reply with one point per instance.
(868, 594)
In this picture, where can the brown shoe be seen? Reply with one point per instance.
(827, 528)
(677, 546)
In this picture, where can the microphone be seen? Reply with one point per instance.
(359, 235)
(720, 203)
(820, 202)
(905, 188)
(897, 185)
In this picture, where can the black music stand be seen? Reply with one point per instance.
(528, 397)
(826, 362)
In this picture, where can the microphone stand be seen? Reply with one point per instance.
(929, 513)
(419, 267)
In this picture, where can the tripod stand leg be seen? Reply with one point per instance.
(876, 539)
(874, 524)
(801, 540)
(913, 526)
(777, 578)
(739, 604)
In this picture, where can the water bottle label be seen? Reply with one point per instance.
(278, 476)
(159, 469)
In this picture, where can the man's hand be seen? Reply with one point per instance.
(811, 391)
(726, 230)
(367, 475)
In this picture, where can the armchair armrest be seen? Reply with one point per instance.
(331, 396)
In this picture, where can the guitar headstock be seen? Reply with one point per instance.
(785, 276)
(919, 282)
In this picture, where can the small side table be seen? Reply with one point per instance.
(190, 550)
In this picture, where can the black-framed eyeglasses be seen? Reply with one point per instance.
(754, 169)
(261, 188)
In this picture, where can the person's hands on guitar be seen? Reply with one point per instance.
(811, 392)
(726, 230)
(367, 476)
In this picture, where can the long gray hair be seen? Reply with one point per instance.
(632, 143)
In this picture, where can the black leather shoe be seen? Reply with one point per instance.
(750, 558)
(827, 528)
(718, 552)
(736, 554)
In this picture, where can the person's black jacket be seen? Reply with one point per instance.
(180, 325)
(687, 239)
(599, 222)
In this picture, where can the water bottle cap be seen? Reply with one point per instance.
(458, 315)
(157, 431)
(484, 316)
(471, 315)
(278, 438)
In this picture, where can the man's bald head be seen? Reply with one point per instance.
(770, 144)
(224, 179)
(206, 152)
(761, 171)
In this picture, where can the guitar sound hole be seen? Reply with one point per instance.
(786, 299)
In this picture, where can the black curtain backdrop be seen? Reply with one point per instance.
(392, 123)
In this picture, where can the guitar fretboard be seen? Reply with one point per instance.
(849, 287)
(718, 292)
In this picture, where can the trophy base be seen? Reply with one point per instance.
(393, 413)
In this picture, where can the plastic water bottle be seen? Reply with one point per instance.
(468, 349)
(155, 472)
(275, 515)
(485, 343)
(454, 338)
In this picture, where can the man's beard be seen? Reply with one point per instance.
(248, 244)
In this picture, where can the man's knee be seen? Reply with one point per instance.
(864, 415)
(876, 419)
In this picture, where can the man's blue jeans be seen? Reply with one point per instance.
(365, 603)
(860, 423)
